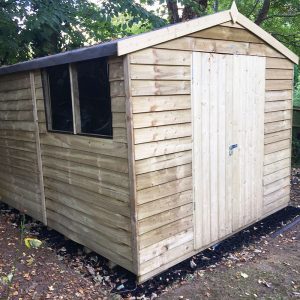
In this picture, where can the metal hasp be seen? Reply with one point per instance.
(231, 148)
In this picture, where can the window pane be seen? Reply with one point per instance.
(94, 97)
(60, 98)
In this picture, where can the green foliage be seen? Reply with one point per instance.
(297, 95)
(295, 150)
(9, 29)
(297, 87)
(283, 22)
(35, 28)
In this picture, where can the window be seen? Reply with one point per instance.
(77, 98)
(59, 90)
(94, 97)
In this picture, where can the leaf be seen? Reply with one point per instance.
(91, 270)
(10, 277)
(267, 284)
(244, 275)
(193, 265)
(120, 287)
(32, 243)
(29, 261)
(7, 279)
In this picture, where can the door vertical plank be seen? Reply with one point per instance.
(205, 149)
(213, 139)
(244, 204)
(259, 151)
(236, 140)
(221, 135)
(197, 157)
(251, 117)
(255, 137)
(229, 140)
(243, 136)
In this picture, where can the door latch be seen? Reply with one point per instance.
(231, 148)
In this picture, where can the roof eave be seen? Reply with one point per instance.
(80, 54)
(268, 38)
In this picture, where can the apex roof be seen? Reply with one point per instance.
(141, 41)
(164, 34)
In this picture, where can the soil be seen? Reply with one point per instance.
(37, 273)
(259, 262)
(273, 274)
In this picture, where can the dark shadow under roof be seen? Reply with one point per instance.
(85, 53)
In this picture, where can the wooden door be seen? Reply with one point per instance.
(228, 94)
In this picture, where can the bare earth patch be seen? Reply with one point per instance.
(37, 273)
(273, 274)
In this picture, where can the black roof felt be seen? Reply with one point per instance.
(85, 53)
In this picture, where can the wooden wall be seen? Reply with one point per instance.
(86, 180)
(161, 105)
(19, 170)
(278, 126)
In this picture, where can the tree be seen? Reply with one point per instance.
(34, 28)
(9, 28)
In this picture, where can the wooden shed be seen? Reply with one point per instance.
(152, 148)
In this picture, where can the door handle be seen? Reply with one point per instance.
(231, 148)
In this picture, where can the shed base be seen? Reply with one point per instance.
(144, 277)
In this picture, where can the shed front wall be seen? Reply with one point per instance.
(160, 80)
(86, 180)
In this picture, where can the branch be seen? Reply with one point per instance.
(263, 12)
(173, 11)
(286, 39)
(286, 35)
(254, 7)
(194, 9)
(216, 5)
(282, 16)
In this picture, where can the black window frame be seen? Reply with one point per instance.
(75, 103)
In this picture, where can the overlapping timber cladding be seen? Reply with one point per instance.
(150, 149)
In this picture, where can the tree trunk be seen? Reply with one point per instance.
(173, 11)
(196, 9)
(216, 5)
(263, 12)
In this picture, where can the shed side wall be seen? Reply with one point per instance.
(161, 90)
(19, 172)
(86, 180)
